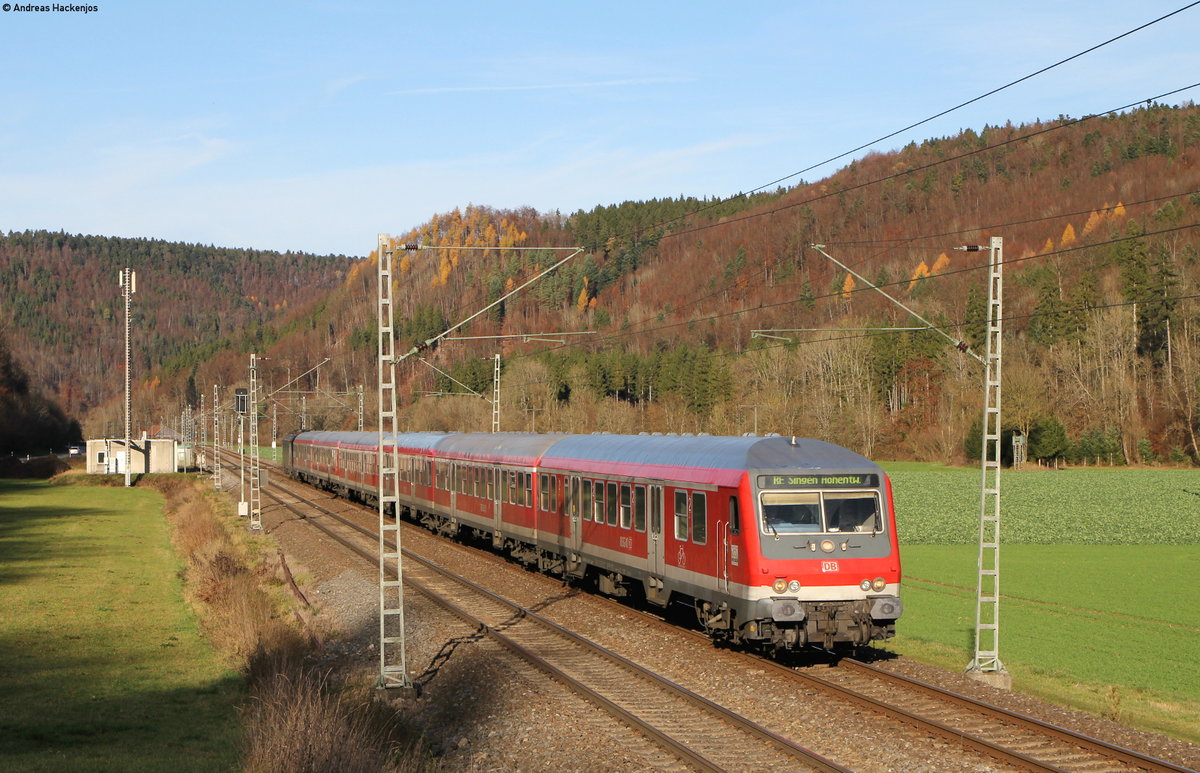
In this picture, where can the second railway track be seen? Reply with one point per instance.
(1008, 737)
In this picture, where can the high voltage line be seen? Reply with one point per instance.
(612, 338)
(943, 113)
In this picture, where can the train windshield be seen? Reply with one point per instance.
(820, 512)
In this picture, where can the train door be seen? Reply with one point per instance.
(497, 495)
(574, 499)
(655, 542)
(727, 549)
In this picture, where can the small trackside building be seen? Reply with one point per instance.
(106, 456)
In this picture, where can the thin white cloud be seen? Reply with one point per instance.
(539, 86)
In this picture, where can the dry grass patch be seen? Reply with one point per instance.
(299, 718)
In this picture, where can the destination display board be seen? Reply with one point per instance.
(839, 480)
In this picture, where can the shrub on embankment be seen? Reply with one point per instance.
(300, 717)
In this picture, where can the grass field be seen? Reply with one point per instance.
(103, 665)
(1096, 566)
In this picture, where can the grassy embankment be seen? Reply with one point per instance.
(103, 665)
(1094, 565)
(110, 668)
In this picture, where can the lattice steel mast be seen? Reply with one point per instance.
(127, 280)
(393, 672)
(987, 598)
(255, 466)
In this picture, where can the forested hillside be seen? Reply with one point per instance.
(64, 313)
(29, 422)
(1102, 329)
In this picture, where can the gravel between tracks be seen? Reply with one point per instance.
(482, 709)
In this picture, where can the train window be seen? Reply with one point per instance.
(639, 508)
(569, 486)
(598, 502)
(554, 508)
(528, 489)
(626, 511)
(585, 500)
(656, 504)
(735, 517)
(543, 492)
(792, 512)
(612, 504)
(852, 511)
(699, 517)
(681, 515)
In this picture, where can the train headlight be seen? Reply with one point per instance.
(780, 585)
(794, 586)
(878, 584)
(827, 545)
(865, 585)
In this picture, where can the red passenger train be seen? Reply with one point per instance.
(773, 541)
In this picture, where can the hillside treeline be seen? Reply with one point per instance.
(65, 312)
(697, 315)
(30, 423)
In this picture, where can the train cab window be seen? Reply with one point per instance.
(699, 517)
(852, 511)
(639, 508)
(681, 515)
(735, 517)
(626, 506)
(612, 504)
(791, 513)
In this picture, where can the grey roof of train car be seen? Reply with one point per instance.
(423, 440)
(483, 446)
(714, 452)
(710, 452)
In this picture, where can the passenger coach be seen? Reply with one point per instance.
(779, 542)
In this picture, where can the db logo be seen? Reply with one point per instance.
(829, 566)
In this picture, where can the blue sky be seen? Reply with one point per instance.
(316, 125)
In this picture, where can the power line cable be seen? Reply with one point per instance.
(943, 113)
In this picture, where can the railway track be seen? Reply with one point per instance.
(1006, 736)
(687, 726)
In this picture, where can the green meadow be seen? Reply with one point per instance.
(103, 664)
(1096, 574)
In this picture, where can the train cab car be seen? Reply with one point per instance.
(775, 542)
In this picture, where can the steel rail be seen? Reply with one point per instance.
(1111, 751)
(983, 745)
(743, 724)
